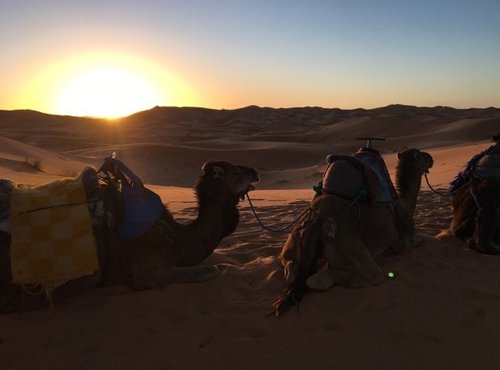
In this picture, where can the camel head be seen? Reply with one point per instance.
(221, 179)
(420, 161)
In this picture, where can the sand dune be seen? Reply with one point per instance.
(439, 312)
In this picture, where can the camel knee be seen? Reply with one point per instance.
(323, 279)
(329, 229)
(290, 270)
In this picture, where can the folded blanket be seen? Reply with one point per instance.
(52, 238)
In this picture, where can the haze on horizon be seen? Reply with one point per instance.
(100, 57)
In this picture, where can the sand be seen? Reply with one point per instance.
(439, 312)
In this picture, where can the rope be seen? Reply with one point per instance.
(474, 197)
(53, 206)
(308, 209)
(361, 193)
(448, 193)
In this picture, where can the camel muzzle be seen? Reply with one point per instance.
(244, 192)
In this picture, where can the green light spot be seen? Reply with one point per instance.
(391, 275)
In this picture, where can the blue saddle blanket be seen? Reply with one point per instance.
(141, 207)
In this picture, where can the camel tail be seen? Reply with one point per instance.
(291, 296)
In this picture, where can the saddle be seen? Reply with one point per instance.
(129, 208)
(364, 171)
(489, 164)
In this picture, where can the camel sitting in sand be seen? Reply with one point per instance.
(338, 242)
(476, 204)
(168, 252)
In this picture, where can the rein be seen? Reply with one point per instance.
(448, 193)
(308, 209)
(361, 193)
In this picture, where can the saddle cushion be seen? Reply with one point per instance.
(348, 175)
(342, 177)
(52, 238)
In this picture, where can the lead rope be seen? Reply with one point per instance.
(474, 197)
(308, 209)
(362, 192)
(448, 193)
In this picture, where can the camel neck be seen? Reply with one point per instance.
(408, 182)
(214, 222)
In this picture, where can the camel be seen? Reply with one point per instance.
(476, 204)
(168, 252)
(340, 239)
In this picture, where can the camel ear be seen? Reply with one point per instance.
(205, 166)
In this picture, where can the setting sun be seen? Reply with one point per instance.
(107, 92)
(103, 84)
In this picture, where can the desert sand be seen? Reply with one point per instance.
(439, 312)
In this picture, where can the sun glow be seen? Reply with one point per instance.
(103, 84)
(107, 92)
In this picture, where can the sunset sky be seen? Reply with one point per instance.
(112, 58)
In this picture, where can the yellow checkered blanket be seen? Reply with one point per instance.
(52, 239)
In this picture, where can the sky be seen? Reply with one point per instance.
(112, 58)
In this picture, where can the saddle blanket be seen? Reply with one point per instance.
(52, 238)
(485, 164)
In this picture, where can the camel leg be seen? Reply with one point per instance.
(464, 210)
(323, 279)
(300, 250)
(363, 272)
(405, 237)
(159, 278)
(351, 263)
(487, 218)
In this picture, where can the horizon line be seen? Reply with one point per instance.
(251, 106)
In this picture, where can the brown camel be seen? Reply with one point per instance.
(337, 243)
(168, 252)
(476, 204)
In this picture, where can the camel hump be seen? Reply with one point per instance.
(347, 175)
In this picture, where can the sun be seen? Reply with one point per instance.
(107, 92)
